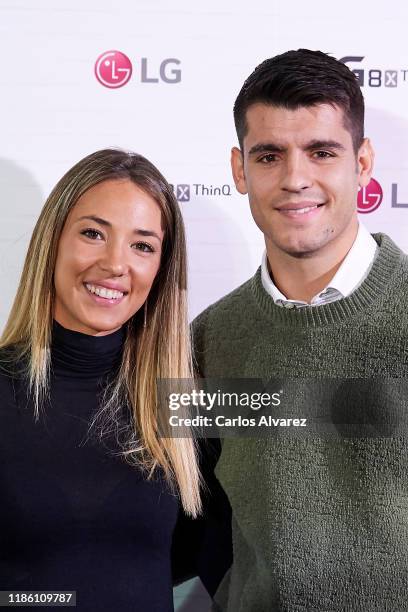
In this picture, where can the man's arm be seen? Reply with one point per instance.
(203, 546)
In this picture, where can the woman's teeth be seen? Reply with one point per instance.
(109, 294)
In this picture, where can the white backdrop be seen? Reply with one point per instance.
(54, 111)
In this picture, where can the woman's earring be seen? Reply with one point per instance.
(145, 314)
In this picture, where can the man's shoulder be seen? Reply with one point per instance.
(387, 244)
(227, 308)
(222, 331)
(394, 268)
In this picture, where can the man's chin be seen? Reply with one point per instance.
(303, 253)
(300, 250)
(303, 247)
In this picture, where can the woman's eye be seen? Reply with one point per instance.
(92, 233)
(143, 246)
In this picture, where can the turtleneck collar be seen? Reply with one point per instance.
(78, 355)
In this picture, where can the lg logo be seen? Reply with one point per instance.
(113, 69)
(369, 198)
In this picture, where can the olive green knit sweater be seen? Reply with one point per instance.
(318, 524)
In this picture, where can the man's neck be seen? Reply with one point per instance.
(301, 278)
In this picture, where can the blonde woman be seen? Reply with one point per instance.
(90, 493)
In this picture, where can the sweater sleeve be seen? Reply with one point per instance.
(198, 331)
(203, 546)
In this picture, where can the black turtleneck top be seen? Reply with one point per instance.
(73, 515)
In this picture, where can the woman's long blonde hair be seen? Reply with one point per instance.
(159, 350)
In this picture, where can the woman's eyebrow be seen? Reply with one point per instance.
(96, 219)
(100, 221)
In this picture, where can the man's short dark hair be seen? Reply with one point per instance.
(303, 78)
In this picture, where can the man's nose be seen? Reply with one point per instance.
(297, 173)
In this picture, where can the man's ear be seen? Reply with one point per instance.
(365, 162)
(237, 166)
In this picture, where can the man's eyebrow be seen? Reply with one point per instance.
(271, 147)
(105, 223)
(266, 147)
(324, 144)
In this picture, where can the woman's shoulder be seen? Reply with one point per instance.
(12, 370)
(12, 361)
(7, 360)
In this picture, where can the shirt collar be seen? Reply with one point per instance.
(348, 277)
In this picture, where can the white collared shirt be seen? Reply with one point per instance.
(352, 272)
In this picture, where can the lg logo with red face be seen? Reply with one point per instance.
(369, 198)
(113, 69)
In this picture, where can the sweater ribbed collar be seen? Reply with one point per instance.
(371, 292)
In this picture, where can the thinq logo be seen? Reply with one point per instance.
(369, 198)
(113, 69)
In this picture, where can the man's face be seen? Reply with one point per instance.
(302, 176)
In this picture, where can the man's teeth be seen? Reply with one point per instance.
(301, 211)
(109, 294)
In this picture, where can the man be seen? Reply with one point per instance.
(319, 523)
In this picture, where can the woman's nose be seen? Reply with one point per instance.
(114, 260)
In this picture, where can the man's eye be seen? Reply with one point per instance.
(92, 233)
(267, 159)
(322, 154)
(144, 247)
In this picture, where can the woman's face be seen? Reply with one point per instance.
(108, 256)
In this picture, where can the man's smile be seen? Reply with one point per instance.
(303, 210)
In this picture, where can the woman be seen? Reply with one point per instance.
(89, 490)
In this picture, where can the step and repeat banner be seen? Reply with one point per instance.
(160, 78)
